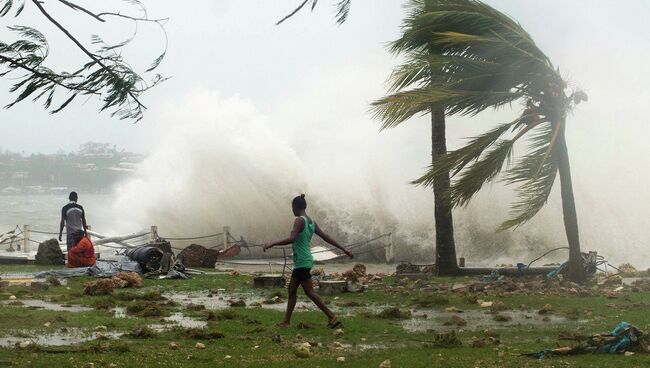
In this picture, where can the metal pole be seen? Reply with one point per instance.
(226, 235)
(25, 238)
(153, 235)
(389, 250)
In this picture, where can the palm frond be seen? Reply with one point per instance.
(394, 109)
(342, 11)
(455, 161)
(536, 173)
(481, 172)
(463, 56)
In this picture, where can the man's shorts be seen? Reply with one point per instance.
(301, 274)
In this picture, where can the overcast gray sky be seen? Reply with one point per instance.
(233, 47)
(254, 112)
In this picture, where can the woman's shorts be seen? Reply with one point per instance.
(301, 274)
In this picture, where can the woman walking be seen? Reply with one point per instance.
(303, 230)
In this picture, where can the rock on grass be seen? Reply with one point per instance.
(394, 313)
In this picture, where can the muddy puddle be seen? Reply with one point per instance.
(42, 304)
(72, 336)
(178, 320)
(62, 337)
(481, 319)
(222, 301)
(364, 346)
(119, 312)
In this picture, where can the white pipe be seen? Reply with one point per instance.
(120, 239)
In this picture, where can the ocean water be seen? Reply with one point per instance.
(43, 212)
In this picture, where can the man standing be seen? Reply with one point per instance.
(73, 218)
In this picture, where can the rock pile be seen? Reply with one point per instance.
(197, 255)
(49, 253)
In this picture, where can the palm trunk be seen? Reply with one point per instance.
(576, 270)
(446, 263)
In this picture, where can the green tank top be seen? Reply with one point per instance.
(302, 257)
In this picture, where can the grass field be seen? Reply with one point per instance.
(248, 337)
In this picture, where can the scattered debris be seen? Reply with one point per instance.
(25, 344)
(127, 279)
(174, 346)
(453, 310)
(199, 345)
(455, 321)
(623, 338)
(237, 303)
(484, 304)
(627, 268)
(498, 306)
(108, 285)
(446, 340)
(477, 342)
(546, 309)
(355, 287)
(143, 332)
(143, 308)
(53, 280)
(394, 313)
(359, 269)
(385, 364)
(350, 303)
(269, 281)
(99, 287)
(274, 300)
(340, 359)
(302, 351)
(39, 286)
(501, 317)
(201, 334)
(304, 325)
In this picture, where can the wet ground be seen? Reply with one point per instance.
(260, 266)
(62, 337)
(480, 320)
(41, 304)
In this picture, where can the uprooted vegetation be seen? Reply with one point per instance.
(145, 308)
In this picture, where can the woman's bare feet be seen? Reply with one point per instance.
(333, 323)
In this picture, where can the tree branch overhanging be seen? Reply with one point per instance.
(105, 74)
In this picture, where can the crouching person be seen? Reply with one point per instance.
(82, 254)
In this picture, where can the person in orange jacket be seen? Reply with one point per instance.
(82, 254)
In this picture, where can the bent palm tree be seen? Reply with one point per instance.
(482, 59)
(421, 72)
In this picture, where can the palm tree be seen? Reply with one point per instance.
(422, 72)
(482, 59)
